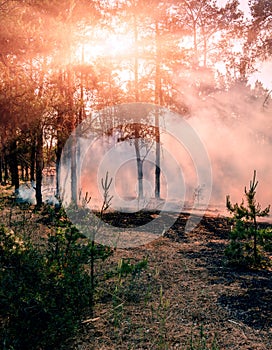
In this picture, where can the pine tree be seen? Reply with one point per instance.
(245, 235)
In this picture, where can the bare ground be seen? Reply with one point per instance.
(186, 286)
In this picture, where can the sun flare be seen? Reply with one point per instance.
(106, 45)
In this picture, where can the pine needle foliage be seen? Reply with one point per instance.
(246, 245)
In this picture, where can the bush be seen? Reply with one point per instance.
(247, 241)
(45, 292)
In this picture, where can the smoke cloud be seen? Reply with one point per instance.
(236, 130)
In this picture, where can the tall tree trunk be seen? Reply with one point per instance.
(39, 147)
(73, 143)
(73, 153)
(13, 162)
(158, 158)
(136, 87)
(61, 134)
(136, 58)
(39, 165)
(139, 168)
(81, 113)
(58, 158)
(158, 100)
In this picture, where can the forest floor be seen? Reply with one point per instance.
(186, 289)
(186, 297)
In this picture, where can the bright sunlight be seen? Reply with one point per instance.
(106, 44)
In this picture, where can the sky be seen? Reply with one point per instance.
(263, 74)
(243, 5)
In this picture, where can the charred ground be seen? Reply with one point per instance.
(232, 305)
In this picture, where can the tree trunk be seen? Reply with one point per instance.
(81, 114)
(73, 143)
(73, 154)
(139, 169)
(136, 59)
(39, 166)
(136, 141)
(58, 158)
(13, 162)
(158, 98)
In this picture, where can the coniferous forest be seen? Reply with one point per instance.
(135, 174)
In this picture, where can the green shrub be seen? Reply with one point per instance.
(45, 292)
(247, 241)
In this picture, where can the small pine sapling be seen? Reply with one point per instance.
(243, 248)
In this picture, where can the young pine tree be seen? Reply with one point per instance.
(245, 235)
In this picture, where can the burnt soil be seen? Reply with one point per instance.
(186, 287)
(186, 290)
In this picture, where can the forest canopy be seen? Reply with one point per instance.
(63, 60)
